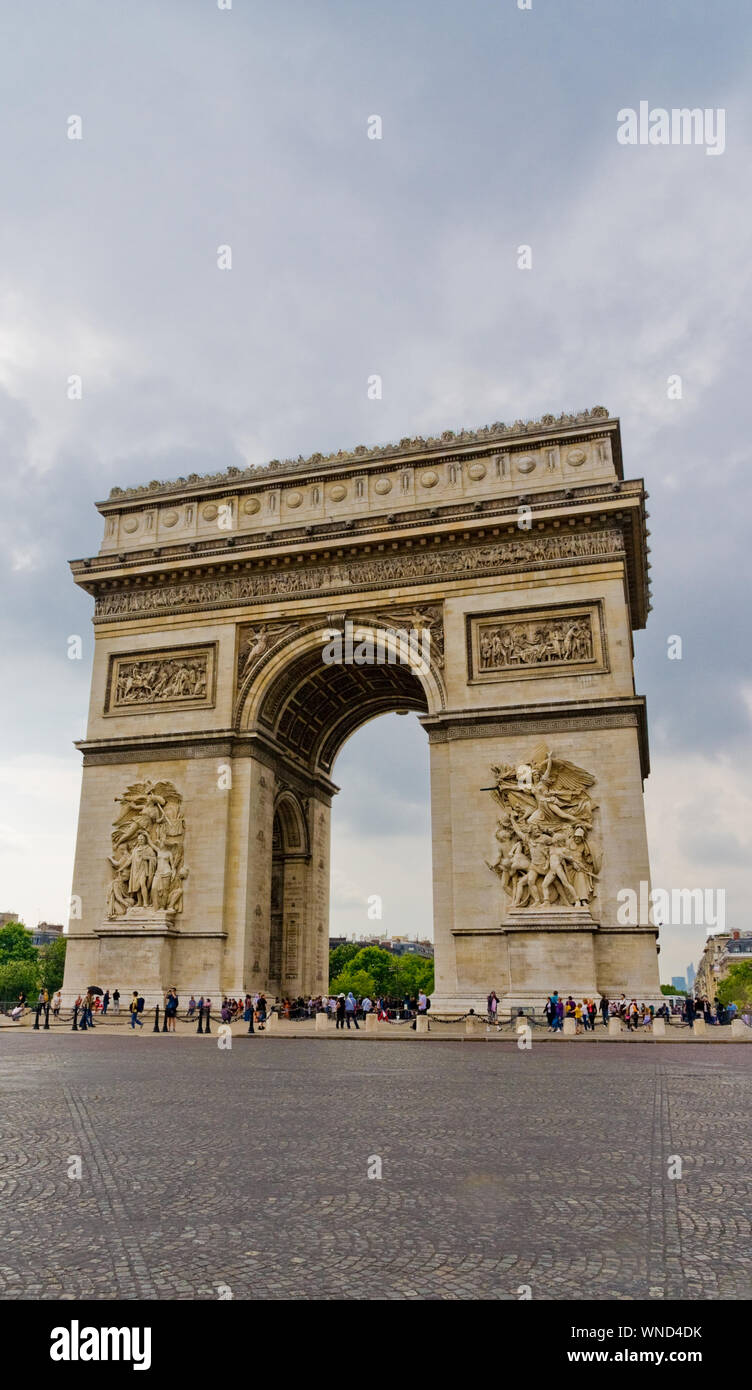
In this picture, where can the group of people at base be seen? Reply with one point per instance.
(585, 1012)
(717, 1013)
(633, 1015)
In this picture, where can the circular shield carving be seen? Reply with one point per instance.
(170, 518)
(429, 479)
(130, 523)
(251, 506)
(526, 464)
(476, 471)
(382, 486)
(210, 511)
(576, 457)
(338, 492)
(293, 499)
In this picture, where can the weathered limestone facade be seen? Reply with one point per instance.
(214, 724)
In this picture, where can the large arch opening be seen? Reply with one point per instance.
(313, 708)
(300, 712)
(381, 871)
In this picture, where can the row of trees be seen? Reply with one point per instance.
(26, 967)
(373, 971)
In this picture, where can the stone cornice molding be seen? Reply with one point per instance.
(219, 744)
(437, 448)
(592, 496)
(556, 717)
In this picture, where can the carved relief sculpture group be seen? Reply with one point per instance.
(147, 851)
(536, 643)
(547, 855)
(155, 682)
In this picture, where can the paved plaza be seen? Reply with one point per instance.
(207, 1172)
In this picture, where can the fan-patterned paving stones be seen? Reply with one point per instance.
(248, 1168)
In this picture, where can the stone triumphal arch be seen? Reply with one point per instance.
(248, 622)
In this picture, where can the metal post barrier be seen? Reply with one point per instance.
(155, 1029)
(75, 1020)
(200, 1028)
(164, 1021)
(251, 1028)
(36, 1020)
(47, 1018)
(208, 1020)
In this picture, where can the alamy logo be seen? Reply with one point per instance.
(77, 1343)
(682, 125)
(364, 646)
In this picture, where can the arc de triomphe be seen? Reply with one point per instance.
(248, 622)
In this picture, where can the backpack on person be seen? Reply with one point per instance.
(140, 1002)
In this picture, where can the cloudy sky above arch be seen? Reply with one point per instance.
(350, 257)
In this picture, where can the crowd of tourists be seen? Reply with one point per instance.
(350, 1010)
(632, 1014)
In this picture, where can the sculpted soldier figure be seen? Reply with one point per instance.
(147, 851)
(143, 864)
(546, 812)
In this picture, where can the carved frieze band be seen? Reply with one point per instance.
(165, 679)
(627, 720)
(529, 552)
(534, 642)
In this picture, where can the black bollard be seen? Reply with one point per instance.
(251, 1028)
(164, 1021)
(36, 1020)
(47, 1017)
(200, 1028)
(208, 1017)
(155, 1029)
(75, 1020)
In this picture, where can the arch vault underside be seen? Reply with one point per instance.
(495, 598)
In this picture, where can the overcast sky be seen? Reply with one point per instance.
(351, 256)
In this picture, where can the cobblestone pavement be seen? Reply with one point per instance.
(248, 1168)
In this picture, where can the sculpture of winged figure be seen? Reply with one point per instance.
(546, 850)
(147, 850)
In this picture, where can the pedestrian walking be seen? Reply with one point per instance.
(351, 1011)
(171, 1009)
(340, 1009)
(134, 1011)
(105, 1002)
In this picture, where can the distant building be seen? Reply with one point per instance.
(721, 952)
(402, 946)
(397, 945)
(690, 977)
(7, 917)
(679, 982)
(45, 932)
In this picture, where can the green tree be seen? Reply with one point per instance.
(736, 988)
(413, 974)
(669, 989)
(340, 957)
(380, 965)
(16, 943)
(359, 981)
(18, 975)
(52, 963)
